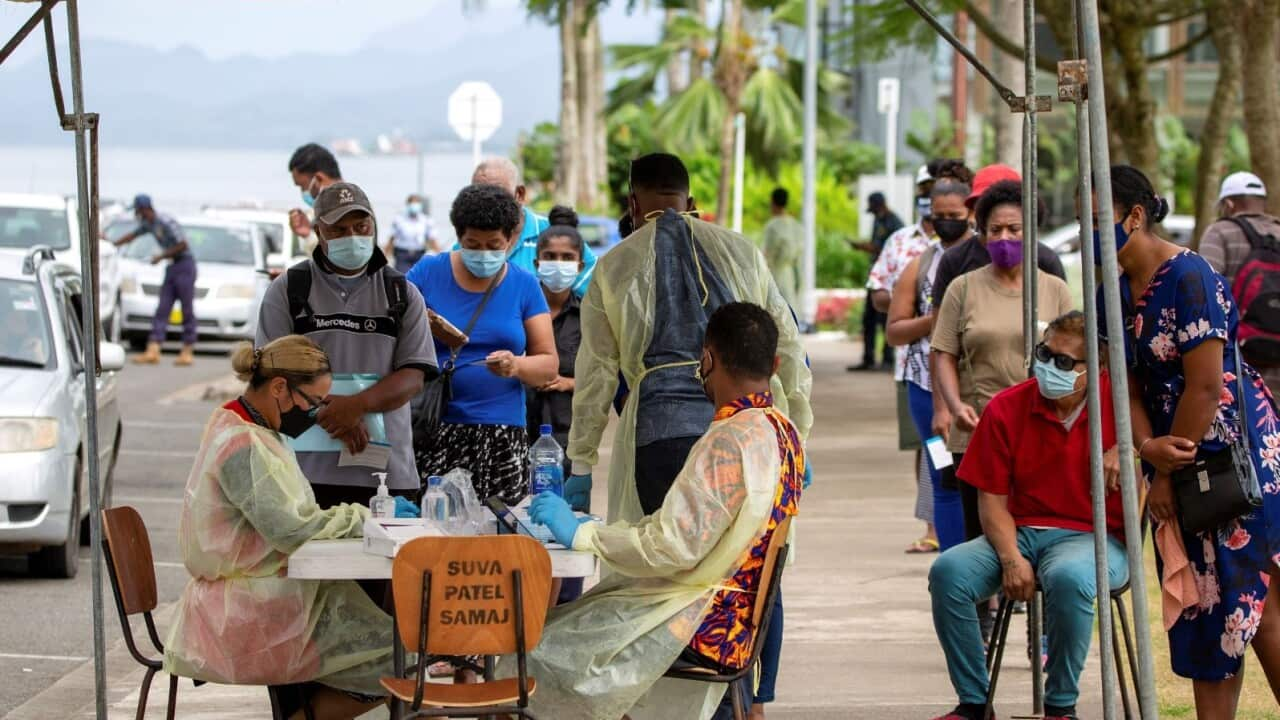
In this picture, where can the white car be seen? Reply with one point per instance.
(231, 278)
(30, 220)
(44, 504)
(284, 247)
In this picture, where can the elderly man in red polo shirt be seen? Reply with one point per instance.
(1029, 459)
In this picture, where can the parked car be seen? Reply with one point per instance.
(600, 233)
(30, 220)
(284, 248)
(44, 508)
(231, 278)
(1065, 241)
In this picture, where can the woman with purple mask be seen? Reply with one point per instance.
(977, 340)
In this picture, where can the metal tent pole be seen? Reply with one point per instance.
(89, 302)
(1030, 299)
(1072, 84)
(1091, 45)
(810, 155)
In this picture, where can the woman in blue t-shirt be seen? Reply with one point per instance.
(511, 345)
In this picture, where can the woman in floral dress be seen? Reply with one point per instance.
(1180, 327)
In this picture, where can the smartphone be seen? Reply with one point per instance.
(506, 518)
(445, 331)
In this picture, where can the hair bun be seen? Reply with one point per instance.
(1162, 210)
(563, 215)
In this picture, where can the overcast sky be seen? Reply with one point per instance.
(271, 28)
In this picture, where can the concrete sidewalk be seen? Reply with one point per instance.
(859, 638)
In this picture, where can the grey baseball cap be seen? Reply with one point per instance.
(340, 199)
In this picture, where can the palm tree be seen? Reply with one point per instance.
(750, 74)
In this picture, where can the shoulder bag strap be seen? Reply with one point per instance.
(1243, 409)
(475, 316)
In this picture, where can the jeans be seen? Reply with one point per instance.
(406, 259)
(657, 466)
(770, 654)
(948, 514)
(179, 285)
(1064, 566)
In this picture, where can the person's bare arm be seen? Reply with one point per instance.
(540, 363)
(125, 239)
(1019, 580)
(1202, 371)
(904, 326)
(343, 415)
(880, 300)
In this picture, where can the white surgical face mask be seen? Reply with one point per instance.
(557, 276)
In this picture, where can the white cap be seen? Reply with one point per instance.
(922, 175)
(1242, 183)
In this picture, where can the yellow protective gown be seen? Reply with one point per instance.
(240, 620)
(604, 654)
(617, 325)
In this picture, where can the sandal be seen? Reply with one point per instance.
(923, 546)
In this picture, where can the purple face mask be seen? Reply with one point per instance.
(1005, 253)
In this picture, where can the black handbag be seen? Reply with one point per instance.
(1219, 486)
(429, 407)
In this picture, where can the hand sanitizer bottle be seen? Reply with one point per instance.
(382, 505)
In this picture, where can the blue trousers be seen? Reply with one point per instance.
(1064, 565)
(180, 286)
(948, 513)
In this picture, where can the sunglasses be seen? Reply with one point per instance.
(315, 403)
(1061, 361)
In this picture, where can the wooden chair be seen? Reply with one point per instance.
(469, 596)
(127, 549)
(775, 560)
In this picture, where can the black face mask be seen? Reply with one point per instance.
(296, 421)
(950, 230)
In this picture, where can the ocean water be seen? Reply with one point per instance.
(183, 180)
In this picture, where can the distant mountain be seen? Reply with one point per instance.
(400, 79)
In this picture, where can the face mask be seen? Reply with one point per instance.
(351, 252)
(557, 276)
(924, 206)
(1122, 237)
(949, 230)
(1005, 254)
(703, 375)
(484, 263)
(414, 208)
(307, 198)
(1055, 383)
(296, 421)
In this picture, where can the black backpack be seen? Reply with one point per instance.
(1256, 288)
(299, 289)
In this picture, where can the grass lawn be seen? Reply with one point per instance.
(1174, 693)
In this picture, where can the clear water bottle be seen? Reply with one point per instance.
(438, 512)
(546, 465)
(382, 505)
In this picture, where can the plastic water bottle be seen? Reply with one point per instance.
(546, 465)
(438, 511)
(382, 505)
(457, 506)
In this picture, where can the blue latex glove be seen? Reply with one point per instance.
(808, 475)
(551, 510)
(406, 509)
(577, 491)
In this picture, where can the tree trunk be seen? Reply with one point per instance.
(698, 53)
(1135, 111)
(1226, 98)
(569, 170)
(676, 76)
(1261, 93)
(599, 170)
(588, 109)
(730, 76)
(1008, 127)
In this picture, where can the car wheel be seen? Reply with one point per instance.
(62, 561)
(108, 483)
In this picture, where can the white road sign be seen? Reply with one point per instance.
(475, 111)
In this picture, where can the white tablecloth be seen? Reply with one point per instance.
(347, 560)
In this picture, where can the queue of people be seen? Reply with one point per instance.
(683, 330)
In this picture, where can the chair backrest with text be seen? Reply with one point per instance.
(485, 595)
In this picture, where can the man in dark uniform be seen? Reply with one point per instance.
(179, 279)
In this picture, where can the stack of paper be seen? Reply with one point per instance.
(385, 536)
